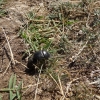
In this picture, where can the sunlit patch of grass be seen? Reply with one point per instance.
(40, 34)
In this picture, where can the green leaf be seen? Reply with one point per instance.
(1, 2)
(47, 45)
(12, 95)
(14, 82)
(11, 81)
(5, 90)
(19, 91)
(0, 97)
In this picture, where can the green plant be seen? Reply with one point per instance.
(0, 97)
(13, 89)
(38, 35)
(3, 12)
(16, 93)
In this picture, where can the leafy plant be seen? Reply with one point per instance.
(14, 91)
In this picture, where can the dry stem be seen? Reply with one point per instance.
(38, 81)
(12, 57)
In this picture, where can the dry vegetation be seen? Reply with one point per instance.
(70, 31)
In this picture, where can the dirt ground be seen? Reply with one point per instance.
(10, 25)
(9, 34)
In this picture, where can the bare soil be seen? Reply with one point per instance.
(10, 25)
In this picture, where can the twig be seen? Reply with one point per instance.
(42, 21)
(97, 96)
(21, 63)
(61, 89)
(6, 69)
(54, 80)
(56, 27)
(87, 22)
(29, 86)
(98, 58)
(93, 72)
(38, 83)
(59, 85)
(69, 85)
(12, 57)
(77, 55)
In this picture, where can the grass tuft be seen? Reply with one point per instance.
(14, 91)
